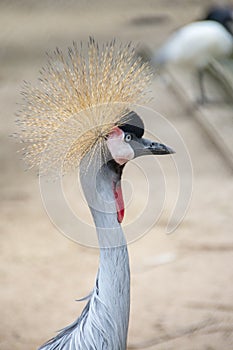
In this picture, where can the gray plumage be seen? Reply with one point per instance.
(103, 323)
(79, 116)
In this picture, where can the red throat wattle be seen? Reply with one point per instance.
(119, 201)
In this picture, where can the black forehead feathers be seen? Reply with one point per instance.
(220, 14)
(133, 124)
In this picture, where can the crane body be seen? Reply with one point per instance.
(83, 111)
(104, 322)
(195, 45)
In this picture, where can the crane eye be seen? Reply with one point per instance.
(128, 137)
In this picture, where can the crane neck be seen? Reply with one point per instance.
(99, 184)
(228, 27)
(113, 280)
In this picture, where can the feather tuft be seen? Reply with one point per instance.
(79, 98)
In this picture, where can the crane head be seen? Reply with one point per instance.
(125, 142)
(221, 14)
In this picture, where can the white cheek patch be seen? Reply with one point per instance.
(120, 150)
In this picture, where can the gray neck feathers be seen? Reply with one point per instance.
(103, 324)
(113, 281)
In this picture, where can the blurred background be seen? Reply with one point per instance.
(182, 290)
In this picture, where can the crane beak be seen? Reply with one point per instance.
(147, 147)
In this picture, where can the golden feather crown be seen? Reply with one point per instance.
(79, 98)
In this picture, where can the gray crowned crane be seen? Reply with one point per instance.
(85, 103)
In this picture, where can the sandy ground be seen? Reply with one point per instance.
(185, 304)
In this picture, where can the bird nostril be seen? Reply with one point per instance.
(152, 144)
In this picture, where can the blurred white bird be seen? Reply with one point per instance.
(196, 44)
